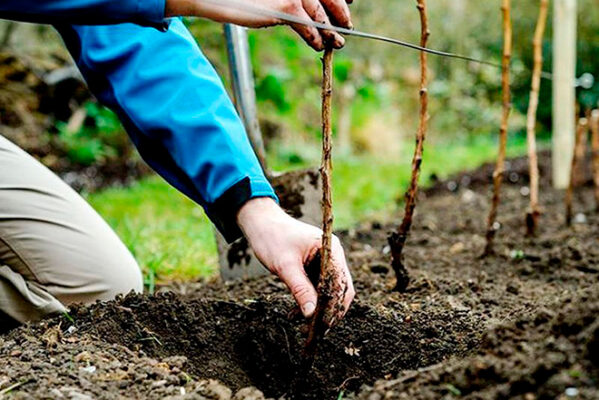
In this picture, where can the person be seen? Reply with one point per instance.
(139, 60)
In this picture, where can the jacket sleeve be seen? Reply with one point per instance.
(89, 12)
(176, 110)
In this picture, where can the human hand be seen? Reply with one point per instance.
(285, 245)
(335, 12)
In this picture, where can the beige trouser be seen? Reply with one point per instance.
(54, 248)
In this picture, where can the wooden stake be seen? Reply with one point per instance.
(328, 293)
(594, 122)
(492, 224)
(581, 131)
(532, 216)
(398, 239)
(564, 93)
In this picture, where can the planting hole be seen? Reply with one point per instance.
(255, 343)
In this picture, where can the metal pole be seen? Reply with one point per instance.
(242, 76)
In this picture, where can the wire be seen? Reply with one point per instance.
(257, 10)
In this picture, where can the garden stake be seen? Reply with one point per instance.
(492, 224)
(327, 293)
(532, 216)
(594, 122)
(398, 239)
(577, 157)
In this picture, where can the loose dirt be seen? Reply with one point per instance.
(522, 324)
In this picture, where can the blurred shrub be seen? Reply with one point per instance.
(98, 139)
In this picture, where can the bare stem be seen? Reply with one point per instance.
(581, 131)
(533, 213)
(505, 86)
(327, 273)
(398, 239)
(594, 122)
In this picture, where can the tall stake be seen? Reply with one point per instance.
(492, 224)
(532, 216)
(398, 239)
(594, 122)
(327, 279)
(581, 131)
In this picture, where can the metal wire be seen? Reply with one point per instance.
(257, 10)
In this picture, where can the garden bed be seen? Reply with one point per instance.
(521, 324)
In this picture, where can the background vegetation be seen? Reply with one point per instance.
(375, 115)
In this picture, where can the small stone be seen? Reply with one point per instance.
(217, 390)
(580, 218)
(457, 248)
(524, 191)
(468, 196)
(90, 369)
(249, 393)
(83, 356)
(571, 392)
(75, 395)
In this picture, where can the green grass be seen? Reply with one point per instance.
(172, 239)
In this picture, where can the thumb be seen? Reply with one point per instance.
(301, 288)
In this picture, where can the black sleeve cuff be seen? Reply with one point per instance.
(223, 212)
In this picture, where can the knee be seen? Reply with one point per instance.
(121, 277)
(109, 274)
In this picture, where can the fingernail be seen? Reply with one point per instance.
(308, 309)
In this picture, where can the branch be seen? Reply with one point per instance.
(581, 131)
(594, 122)
(326, 283)
(492, 224)
(532, 216)
(398, 239)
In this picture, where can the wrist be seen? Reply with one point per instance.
(256, 212)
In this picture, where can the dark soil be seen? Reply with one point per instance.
(522, 324)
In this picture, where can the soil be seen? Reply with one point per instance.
(521, 324)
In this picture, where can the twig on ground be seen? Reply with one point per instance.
(492, 224)
(532, 215)
(397, 240)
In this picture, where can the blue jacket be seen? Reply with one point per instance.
(166, 93)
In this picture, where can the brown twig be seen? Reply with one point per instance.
(398, 239)
(532, 215)
(326, 280)
(581, 131)
(594, 123)
(492, 224)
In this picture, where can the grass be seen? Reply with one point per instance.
(172, 239)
